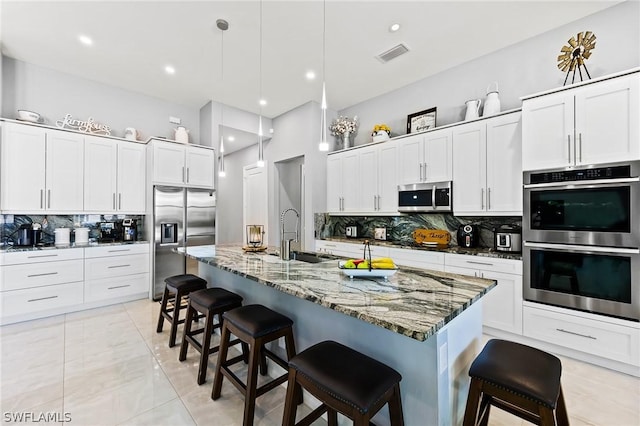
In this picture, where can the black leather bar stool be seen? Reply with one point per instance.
(519, 379)
(180, 286)
(345, 381)
(208, 302)
(254, 325)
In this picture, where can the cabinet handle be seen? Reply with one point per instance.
(183, 179)
(42, 275)
(120, 201)
(118, 266)
(42, 255)
(118, 286)
(49, 199)
(42, 298)
(576, 334)
(488, 198)
(114, 251)
(421, 172)
(425, 171)
(479, 263)
(41, 201)
(378, 202)
(114, 200)
(569, 149)
(187, 174)
(580, 146)
(374, 203)
(481, 198)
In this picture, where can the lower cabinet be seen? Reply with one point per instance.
(417, 258)
(116, 271)
(502, 305)
(35, 284)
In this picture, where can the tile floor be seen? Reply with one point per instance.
(108, 366)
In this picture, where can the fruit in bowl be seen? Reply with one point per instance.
(26, 115)
(378, 263)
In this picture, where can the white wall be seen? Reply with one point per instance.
(520, 69)
(54, 94)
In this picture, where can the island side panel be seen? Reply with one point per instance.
(427, 386)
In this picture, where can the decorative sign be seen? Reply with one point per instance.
(88, 126)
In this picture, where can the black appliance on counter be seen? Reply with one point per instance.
(129, 230)
(29, 235)
(110, 232)
(468, 236)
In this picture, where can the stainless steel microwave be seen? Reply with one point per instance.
(425, 197)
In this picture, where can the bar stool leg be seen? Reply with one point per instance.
(561, 411)
(332, 417)
(163, 308)
(395, 408)
(255, 360)
(185, 332)
(473, 400)
(222, 357)
(204, 353)
(290, 408)
(290, 346)
(176, 319)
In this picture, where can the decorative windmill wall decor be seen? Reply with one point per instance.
(572, 57)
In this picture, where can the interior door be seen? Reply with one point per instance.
(255, 202)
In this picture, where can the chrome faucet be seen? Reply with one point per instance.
(285, 245)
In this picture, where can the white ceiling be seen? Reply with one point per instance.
(134, 40)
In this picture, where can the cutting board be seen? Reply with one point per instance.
(431, 236)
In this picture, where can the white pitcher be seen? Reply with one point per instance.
(473, 109)
(492, 103)
(182, 134)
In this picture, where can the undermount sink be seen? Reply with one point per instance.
(307, 257)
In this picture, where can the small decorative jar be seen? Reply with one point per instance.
(381, 136)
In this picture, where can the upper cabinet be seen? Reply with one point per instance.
(425, 157)
(182, 165)
(487, 171)
(42, 170)
(114, 176)
(590, 124)
(342, 172)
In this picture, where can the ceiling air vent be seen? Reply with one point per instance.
(392, 53)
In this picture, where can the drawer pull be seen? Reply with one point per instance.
(119, 286)
(42, 275)
(479, 263)
(42, 298)
(119, 250)
(119, 266)
(42, 255)
(576, 334)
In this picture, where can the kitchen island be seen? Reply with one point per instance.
(425, 324)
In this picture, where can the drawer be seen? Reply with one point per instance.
(116, 266)
(49, 255)
(418, 258)
(116, 250)
(16, 277)
(600, 338)
(507, 266)
(20, 302)
(109, 288)
(354, 250)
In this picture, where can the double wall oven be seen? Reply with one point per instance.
(581, 232)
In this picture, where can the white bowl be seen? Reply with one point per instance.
(25, 115)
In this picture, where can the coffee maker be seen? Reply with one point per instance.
(129, 230)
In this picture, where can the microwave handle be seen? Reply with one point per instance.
(599, 182)
(433, 197)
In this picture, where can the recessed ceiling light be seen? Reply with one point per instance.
(231, 138)
(85, 40)
(310, 75)
(262, 102)
(394, 27)
(169, 69)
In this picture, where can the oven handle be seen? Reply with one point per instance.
(585, 249)
(598, 182)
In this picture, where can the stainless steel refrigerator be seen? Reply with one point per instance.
(182, 217)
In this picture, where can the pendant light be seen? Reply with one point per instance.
(223, 26)
(260, 162)
(323, 145)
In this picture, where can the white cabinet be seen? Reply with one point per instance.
(376, 186)
(342, 177)
(423, 259)
(351, 250)
(116, 271)
(184, 165)
(41, 170)
(35, 282)
(592, 334)
(487, 172)
(590, 124)
(502, 305)
(114, 176)
(425, 157)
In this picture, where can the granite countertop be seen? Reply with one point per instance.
(13, 249)
(413, 302)
(478, 251)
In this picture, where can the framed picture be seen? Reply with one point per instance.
(420, 121)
